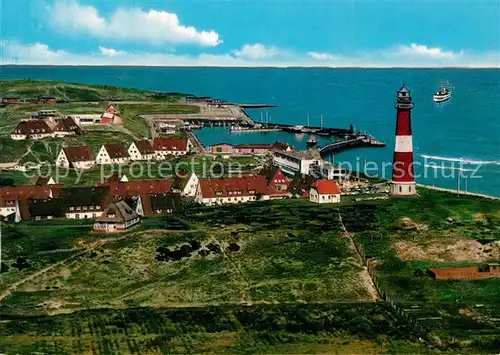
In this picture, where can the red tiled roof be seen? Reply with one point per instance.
(116, 150)
(32, 127)
(144, 147)
(329, 187)
(139, 187)
(76, 154)
(20, 193)
(248, 185)
(175, 144)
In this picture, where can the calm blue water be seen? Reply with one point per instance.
(466, 127)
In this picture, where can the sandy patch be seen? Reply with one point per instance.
(411, 225)
(457, 251)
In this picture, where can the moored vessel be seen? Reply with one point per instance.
(311, 141)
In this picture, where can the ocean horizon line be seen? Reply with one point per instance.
(247, 67)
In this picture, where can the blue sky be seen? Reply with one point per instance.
(252, 33)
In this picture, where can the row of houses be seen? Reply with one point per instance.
(47, 199)
(82, 157)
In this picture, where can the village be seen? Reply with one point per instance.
(284, 172)
(272, 225)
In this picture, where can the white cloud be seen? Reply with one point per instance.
(41, 54)
(256, 51)
(320, 56)
(109, 52)
(127, 24)
(420, 50)
(17, 52)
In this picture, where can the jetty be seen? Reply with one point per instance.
(320, 131)
(250, 106)
(356, 141)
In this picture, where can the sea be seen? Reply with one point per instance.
(456, 143)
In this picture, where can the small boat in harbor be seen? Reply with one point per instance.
(442, 95)
(311, 141)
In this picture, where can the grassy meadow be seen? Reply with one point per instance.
(285, 264)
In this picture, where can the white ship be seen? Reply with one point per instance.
(442, 95)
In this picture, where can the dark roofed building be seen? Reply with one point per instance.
(76, 157)
(85, 202)
(38, 209)
(141, 150)
(66, 126)
(165, 203)
(300, 185)
(31, 129)
(44, 180)
(119, 216)
(112, 153)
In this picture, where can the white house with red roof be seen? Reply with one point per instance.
(141, 150)
(112, 153)
(80, 158)
(165, 146)
(324, 191)
(232, 190)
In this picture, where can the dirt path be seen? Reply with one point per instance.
(28, 152)
(16, 285)
(365, 276)
(85, 249)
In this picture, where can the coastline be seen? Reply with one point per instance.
(472, 194)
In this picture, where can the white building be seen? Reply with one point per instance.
(232, 190)
(324, 169)
(117, 217)
(112, 153)
(85, 202)
(293, 162)
(141, 150)
(186, 185)
(79, 158)
(87, 119)
(170, 146)
(31, 129)
(324, 191)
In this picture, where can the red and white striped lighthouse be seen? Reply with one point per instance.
(403, 179)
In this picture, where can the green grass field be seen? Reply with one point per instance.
(69, 91)
(296, 329)
(291, 255)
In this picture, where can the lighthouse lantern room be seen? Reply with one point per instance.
(403, 179)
